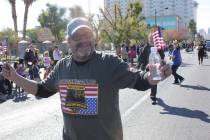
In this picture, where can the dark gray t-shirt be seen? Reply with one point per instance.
(89, 95)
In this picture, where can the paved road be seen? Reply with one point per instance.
(182, 112)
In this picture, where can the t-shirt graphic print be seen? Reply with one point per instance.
(79, 97)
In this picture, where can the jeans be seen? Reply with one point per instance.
(177, 77)
(153, 90)
(200, 58)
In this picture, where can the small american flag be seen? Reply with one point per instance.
(88, 107)
(158, 39)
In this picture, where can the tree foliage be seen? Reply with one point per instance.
(76, 11)
(130, 28)
(10, 34)
(170, 35)
(53, 18)
(192, 28)
(199, 37)
(97, 23)
(32, 33)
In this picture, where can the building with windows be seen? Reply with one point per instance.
(209, 30)
(169, 14)
(185, 10)
(203, 33)
(208, 34)
(165, 22)
(122, 4)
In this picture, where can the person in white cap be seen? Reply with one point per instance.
(88, 84)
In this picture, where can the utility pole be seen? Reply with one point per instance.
(89, 7)
(155, 18)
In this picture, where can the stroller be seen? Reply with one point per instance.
(5, 87)
(206, 54)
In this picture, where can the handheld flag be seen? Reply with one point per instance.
(158, 39)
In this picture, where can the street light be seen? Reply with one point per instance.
(155, 18)
(89, 7)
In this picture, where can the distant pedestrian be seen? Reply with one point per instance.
(29, 55)
(177, 61)
(19, 67)
(143, 58)
(124, 53)
(132, 54)
(170, 48)
(143, 61)
(201, 51)
(46, 60)
(57, 55)
(35, 71)
(36, 54)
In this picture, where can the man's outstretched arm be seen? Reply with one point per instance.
(29, 86)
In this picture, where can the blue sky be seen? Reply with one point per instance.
(203, 19)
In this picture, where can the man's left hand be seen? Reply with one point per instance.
(165, 71)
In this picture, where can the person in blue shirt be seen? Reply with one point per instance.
(177, 61)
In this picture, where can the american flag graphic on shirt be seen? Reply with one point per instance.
(79, 99)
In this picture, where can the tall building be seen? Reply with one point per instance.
(208, 34)
(165, 22)
(122, 4)
(170, 14)
(209, 30)
(203, 33)
(195, 11)
(184, 9)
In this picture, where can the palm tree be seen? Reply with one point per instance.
(27, 4)
(14, 15)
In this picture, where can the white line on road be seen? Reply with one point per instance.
(26, 117)
(133, 107)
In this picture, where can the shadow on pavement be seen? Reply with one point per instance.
(186, 65)
(198, 87)
(2, 101)
(184, 112)
(205, 65)
(18, 96)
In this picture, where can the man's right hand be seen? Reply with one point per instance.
(9, 72)
(29, 86)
